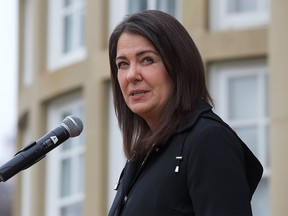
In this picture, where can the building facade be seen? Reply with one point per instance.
(64, 70)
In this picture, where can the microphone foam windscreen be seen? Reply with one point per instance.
(73, 124)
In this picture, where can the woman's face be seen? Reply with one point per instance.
(144, 81)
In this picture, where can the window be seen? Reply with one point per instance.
(238, 14)
(240, 91)
(125, 7)
(116, 159)
(26, 185)
(66, 32)
(141, 5)
(65, 167)
(28, 43)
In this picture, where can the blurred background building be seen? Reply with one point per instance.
(64, 69)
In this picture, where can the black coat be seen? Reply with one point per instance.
(217, 173)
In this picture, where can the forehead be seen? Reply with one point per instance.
(133, 42)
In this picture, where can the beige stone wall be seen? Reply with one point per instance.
(278, 61)
(91, 78)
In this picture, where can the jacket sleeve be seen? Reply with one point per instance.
(216, 173)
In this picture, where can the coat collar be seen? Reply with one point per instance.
(191, 119)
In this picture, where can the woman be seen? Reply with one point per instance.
(182, 159)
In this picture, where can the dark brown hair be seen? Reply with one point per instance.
(184, 65)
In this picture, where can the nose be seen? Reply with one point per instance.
(134, 73)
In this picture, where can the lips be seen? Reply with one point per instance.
(137, 92)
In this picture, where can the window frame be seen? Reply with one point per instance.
(117, 13)
(73, 105)
(116, 157)
(218, 82)
(221, 20)
(56, 58)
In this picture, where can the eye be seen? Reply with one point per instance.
(147, 60)
(122, 65)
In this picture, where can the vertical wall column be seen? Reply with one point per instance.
(95, 98)
(279, 106)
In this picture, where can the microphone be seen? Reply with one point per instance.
(71, 126)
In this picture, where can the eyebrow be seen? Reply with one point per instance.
(139, 54)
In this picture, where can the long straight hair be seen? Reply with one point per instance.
(184, 65)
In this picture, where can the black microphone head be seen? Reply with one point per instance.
(73, 125)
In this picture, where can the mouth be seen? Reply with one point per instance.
(137, 92)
